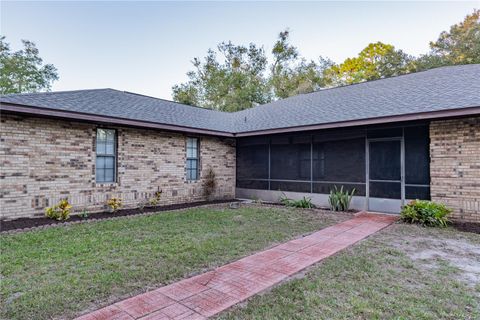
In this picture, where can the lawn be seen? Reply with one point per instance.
(60, 272)
(402, 272)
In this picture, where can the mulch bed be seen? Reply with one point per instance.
(27, 223)
(467, 227)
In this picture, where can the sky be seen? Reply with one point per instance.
(147, 47)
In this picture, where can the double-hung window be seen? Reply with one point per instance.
(192, 159)
(106, 156)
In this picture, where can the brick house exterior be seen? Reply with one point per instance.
(45, 160)
(414, 136)
(455, 166)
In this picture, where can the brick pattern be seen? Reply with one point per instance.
(455, 166)
(210, 293)
(45, 160)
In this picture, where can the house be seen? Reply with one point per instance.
(414, 136)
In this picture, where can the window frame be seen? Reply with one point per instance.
(188, 159)
(113, 155)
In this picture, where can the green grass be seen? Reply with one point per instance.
(380, 278)
(59, 272)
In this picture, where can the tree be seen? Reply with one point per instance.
(236, 83)
(461, 45)
(244, 79)
(304, 77)
(291, 74)
(22, 71)
(377, 60)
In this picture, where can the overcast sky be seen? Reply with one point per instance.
(146, 47)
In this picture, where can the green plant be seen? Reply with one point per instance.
(60, 211)
(426, 213)
(340, 199)
(156, 198)
(209, 183)
(302, 203)
(142, 204)
(257, 200)
(114, 203)
(84, 214)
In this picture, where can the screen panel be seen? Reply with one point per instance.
(290, 186)
(385, 160)
(252, 184)
(417, 155)
(417, 192)
(384, 133)
(389, 190)
(325, 188)
(252, 158)
(290, 158)
(340, 160)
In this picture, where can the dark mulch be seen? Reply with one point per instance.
(23, 223)
(467, 227)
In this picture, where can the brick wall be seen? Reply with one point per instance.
(45, 160)
(455, 166)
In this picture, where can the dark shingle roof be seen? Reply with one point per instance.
(126, 105)
(433, 90)
(438, 89)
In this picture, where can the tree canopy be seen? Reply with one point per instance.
(460, 45)
(236, 77)
(234, 81)
(377, 60)
(23, 71)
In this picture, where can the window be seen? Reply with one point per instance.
(106, 154)
(192, 159)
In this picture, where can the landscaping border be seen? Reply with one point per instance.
(27, 224)
(466, 226)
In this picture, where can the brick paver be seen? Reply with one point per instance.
(207, 294)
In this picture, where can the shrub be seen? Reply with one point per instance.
(142, 205)
(426, 213)
(84, 214)
(114, 203)
(60, 211)
(209, 183)
(302, 203)
(340, 199)
(156, 198)
(257, 200)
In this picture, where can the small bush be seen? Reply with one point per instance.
(84, 214)
(302, 203)
(340, 199)
(257, 200)
(156, 198)
(60, 211)
(426, 213)
(114, 204)
(209, 183)
(143, 204)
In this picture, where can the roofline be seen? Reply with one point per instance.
(72, 115)
(450, 113)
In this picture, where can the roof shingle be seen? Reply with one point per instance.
(438, 89)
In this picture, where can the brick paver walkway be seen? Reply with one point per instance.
(207, 294)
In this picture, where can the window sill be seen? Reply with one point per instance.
(106, 184)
